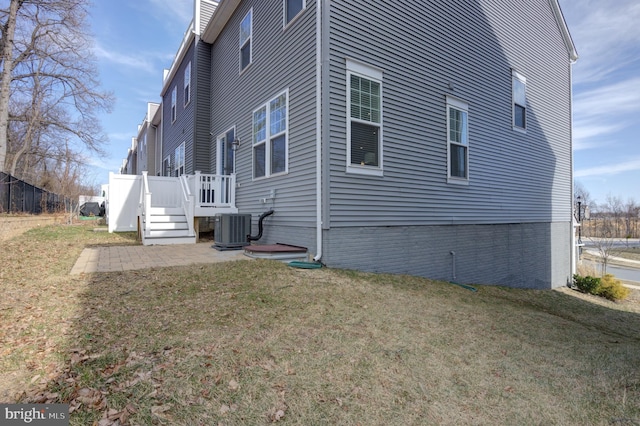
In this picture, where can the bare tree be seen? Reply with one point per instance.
(604, 245)
(49, 94)
(580, 191)
(631, 211)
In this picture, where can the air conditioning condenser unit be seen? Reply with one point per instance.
(231, 230)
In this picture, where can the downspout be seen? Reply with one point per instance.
(318, 255)
(574, 248)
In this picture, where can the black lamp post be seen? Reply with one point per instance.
(579, 200)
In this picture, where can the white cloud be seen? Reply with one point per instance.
(606, 34)
(605, 110)
(177, 10)
(609, 100)
(128, 60)
(609, 169)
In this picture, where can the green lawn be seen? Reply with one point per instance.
(255, 342)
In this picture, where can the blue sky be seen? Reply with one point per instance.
(135, 41)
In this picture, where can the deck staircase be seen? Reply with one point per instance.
(167, 225)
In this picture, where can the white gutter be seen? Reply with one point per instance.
(564, 30)
(575, 250)
(318, 131)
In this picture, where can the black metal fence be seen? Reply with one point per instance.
(18, 196)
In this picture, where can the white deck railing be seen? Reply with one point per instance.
(198, 195)
(213, 192)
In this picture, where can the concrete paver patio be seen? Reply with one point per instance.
(124, 258)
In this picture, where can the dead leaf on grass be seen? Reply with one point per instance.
(233, 385)
(276, 414)
(159, 410)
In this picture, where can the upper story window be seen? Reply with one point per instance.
(293, 8)
(364, 119)
(519, 101)
(246, 34)
(187, 84)
(270, 137)
(179, 160)
(458, 140)
(174, 101)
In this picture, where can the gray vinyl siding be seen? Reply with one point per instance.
(206, 10)
(428, 50)
(281, 59)
(182, 129)
(201, 95)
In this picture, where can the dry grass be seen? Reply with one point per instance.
(255, 342)
(632, 253)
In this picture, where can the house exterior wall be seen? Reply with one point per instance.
(518, 195)
(155, 135)
(513, 177)
(282, 59)
(509, 224)
(524, 255)
(201, 110)
(151, 135)
(141, 149)
(182, 129)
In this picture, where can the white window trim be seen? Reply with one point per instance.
(166, 171)
(517, 76)
(241, 44)
(187, 72)
(268, 138)
(462, 106)
(370, 73)
(176, 166)
(286, 24)
(222, 135)
(174, 104)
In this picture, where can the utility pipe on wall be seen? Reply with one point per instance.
(318, 255)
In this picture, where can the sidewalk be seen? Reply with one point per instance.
(619, 260)
(125, 258)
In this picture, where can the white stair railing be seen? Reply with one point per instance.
(145, 206)
(188, 203)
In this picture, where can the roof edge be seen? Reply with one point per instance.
(189, 36)
(564, 29)
(219, 20)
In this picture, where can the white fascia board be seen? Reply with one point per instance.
(188, 38)
(219, 20)
(566, 35)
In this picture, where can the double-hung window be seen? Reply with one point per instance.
(292, 8)
(179, 160)
(246, 34)
(519, 101)
(458, 140)
(364, 119)
(270, 137)
(174, 101)
(187, 84)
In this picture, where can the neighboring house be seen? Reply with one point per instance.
(426, 138)
(186, 100)
(147, 140)
(130, 164)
